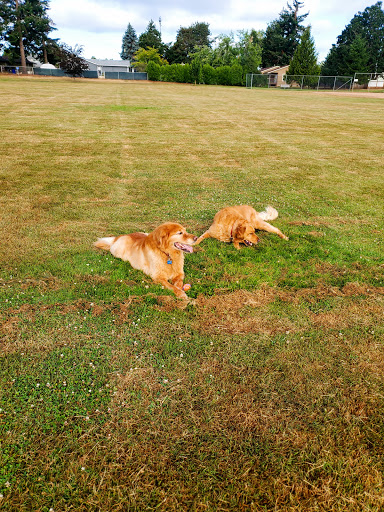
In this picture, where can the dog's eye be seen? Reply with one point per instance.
(179, 233)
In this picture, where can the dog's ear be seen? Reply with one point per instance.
(161, 236)
(239, 230)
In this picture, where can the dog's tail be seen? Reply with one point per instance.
(269, 213)
(105, 243)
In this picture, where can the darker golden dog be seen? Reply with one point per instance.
(237, 224)
(159, 254)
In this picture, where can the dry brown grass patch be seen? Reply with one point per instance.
(45, 283)
(241, 312)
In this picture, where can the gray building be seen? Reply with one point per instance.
(109, 66)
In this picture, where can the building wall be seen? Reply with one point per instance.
(92, 66)
(280, 74)
(116, 69)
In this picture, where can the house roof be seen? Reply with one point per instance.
(109, 62)
(33, 61)
(47, 66)
(273, 69)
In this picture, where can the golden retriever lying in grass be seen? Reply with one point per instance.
(237, 224)
(159, 254)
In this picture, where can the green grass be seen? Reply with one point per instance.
(265, 392)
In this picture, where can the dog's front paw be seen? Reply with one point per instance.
(181, 295)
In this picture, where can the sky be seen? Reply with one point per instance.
(99, 25)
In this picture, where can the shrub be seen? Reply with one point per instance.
(178, 73)
(208, 75)
(187, 74)
(236, 74)
(153, 71)
(191, 73)
(196, 75)
(223, 74)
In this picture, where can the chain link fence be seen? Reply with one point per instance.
(17, 70)
(256, 80)
(314, 82)
(368, 81)
(317, 82)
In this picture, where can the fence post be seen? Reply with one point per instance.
(302, 81)
(318, 82)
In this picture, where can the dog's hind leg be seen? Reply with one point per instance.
(271, 229)
(205, 235)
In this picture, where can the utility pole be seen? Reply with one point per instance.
(160, 24)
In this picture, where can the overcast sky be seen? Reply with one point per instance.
(99, 25)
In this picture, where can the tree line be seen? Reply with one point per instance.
(287, 41)
(25, 29)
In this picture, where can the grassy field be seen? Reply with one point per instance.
(265, 393)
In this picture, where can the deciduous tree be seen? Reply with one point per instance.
(187, 40)
(250, 50)
(145, 55)
(226, 51)
(71, 61)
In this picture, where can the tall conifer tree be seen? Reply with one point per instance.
(26, 28)
(304, 60)
(282, 36)
(151, 38)
(130, 43)
(359, 46)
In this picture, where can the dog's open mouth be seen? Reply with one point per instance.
(248, 243)
(183, 247)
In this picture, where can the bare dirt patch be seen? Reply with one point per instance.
(353, 94)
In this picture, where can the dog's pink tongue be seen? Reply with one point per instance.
(184, 247)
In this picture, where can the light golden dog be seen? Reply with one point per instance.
(159, 254)
(237, 224)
